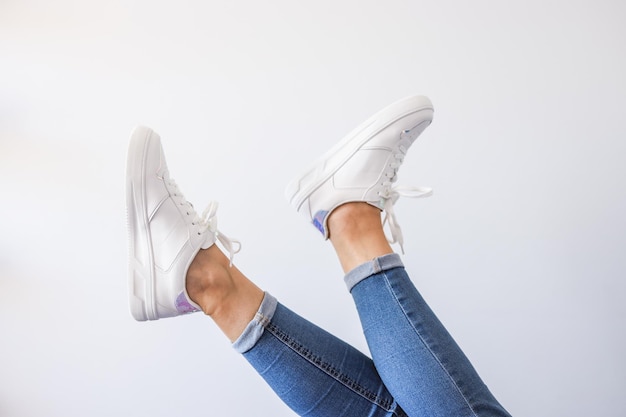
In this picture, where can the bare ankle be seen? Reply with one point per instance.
(357, 235)
(352, 218)
(222, 291)
(208, 280)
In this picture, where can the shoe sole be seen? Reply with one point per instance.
(141, 281)
(298, 191)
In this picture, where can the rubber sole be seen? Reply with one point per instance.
(141, 275)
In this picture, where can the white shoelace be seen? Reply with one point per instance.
(207, 222)
(394, 192)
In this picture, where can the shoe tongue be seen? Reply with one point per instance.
(209, 240)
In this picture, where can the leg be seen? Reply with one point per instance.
(175, 268)
(417, 359)
(317, 374)
(284, 348)
(343, 195)
(312, 371)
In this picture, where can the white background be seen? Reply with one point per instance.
(520, 251)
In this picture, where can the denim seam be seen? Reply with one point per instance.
(330, 370)
(261, 319)
(255, 328)
(404, 313)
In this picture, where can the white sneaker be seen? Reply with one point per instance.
(165, 232)
(363, 166)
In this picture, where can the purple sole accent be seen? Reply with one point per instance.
(318, 220)
(182, 305)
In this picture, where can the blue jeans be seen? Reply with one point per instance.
(416, 368)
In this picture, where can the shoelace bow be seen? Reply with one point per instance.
(396, 192)
(393, 192)
(207, 222)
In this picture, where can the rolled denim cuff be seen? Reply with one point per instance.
(369, 268)
(253, 331)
